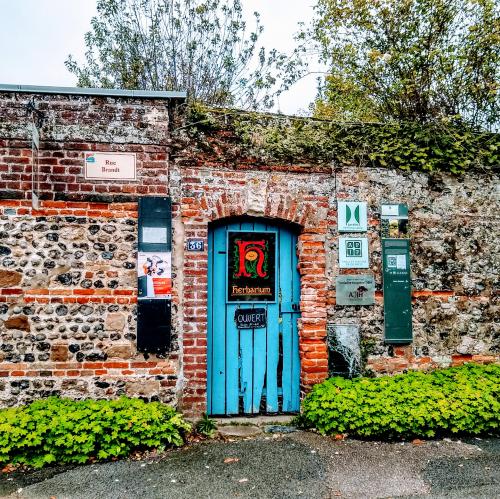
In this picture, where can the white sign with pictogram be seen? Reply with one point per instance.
(352, 216)
(110, 166)
(353, 253)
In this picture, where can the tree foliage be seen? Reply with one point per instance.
(415, 60)
(200, 46)
(266, 138)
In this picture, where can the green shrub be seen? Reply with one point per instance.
(206, 426)
(458, 400)
(55, 430)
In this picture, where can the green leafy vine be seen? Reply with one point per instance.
(407, 146)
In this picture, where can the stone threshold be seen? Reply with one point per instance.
(260, 420)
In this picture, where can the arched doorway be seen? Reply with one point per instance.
(253, 306)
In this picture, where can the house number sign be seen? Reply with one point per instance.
(195, 245)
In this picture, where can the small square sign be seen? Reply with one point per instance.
(352, 216)
(195, 245)
(394, 221)
(353, 253)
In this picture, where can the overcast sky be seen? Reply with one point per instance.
(37, 36)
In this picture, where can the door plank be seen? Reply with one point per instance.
(210, 341)
(246, 354)
(218, 396)
(246, 369)
(273, 331)
(232, 345)
(259, 345)
(295, 392)
(259, 367)
(286, 325)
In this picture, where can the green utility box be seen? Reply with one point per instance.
(397, 290)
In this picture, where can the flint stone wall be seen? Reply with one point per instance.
(455, 264)
(68, 287)
(455, 260)
(68, 314)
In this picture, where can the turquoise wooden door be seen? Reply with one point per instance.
(257, 369)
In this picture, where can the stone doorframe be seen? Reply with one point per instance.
(196, 212)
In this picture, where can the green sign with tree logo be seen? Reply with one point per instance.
(355, 289)
(352, 216)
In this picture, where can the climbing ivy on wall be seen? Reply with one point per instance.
(408, 146)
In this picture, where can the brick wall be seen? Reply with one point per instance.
(68, 271)
(455, 297)
(68, 304)
(213, 194)
(76, 124)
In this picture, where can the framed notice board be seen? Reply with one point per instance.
(154, 274)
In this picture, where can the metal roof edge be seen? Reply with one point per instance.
(100, 92)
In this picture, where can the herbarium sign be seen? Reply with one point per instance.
(251, 266)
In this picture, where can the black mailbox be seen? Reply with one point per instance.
(155, 224)
(153, 326)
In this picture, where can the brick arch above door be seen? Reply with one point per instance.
(212, 203)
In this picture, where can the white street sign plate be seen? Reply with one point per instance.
(110, 166)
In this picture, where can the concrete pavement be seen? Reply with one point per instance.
(274, 465)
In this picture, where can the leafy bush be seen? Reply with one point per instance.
(55, 430)
(458, 400)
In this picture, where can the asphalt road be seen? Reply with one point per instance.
(297, 465)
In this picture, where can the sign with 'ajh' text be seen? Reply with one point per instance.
(110, 166)
(251, 260)
(357, 289)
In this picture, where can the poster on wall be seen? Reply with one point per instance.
(154, 272)
(394, 221)
(251, 260)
